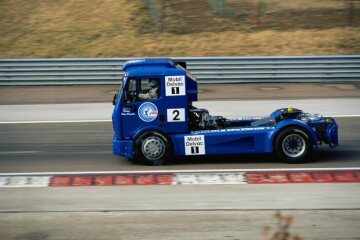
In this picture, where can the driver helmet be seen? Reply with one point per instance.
(153, 82)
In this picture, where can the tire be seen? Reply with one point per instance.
(152, 148)
(293, 145)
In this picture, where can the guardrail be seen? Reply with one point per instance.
(65, 71)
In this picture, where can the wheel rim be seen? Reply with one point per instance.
(293, 145)
(153, 148)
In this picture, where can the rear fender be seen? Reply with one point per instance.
(295, 123)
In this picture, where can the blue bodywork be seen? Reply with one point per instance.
(193, 131)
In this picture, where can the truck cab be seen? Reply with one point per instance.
(154, 119)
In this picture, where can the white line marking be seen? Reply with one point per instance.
(4, 181)
(185, 179)
(344, 116)
(181, 171)
(18, 152)
(18, 182)
(38, 181)
(24, 181)
(234, 178)
(209, 178)
(220, 178)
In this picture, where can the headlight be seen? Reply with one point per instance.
(328, 120)
(304, 118)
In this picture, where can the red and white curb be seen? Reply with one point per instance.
(250, 176)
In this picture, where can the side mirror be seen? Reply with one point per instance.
(116, 95)
(182, 64)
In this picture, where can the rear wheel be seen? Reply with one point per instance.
(293, 145)
(152, 148)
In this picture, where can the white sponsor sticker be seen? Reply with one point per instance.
(175, 85)
(176, 115)
(234, 130)
(148, 112)
(194, 145)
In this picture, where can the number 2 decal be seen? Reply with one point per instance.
(176, 115)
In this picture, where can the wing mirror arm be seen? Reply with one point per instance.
(116, 95)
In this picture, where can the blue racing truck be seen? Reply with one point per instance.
(154, 120)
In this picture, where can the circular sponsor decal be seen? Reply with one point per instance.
(148, 112)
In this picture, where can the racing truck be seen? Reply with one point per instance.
(154, 120)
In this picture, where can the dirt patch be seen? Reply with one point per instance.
(113, 28)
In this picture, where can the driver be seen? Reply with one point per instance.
(151, 93)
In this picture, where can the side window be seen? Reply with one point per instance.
(149, 88)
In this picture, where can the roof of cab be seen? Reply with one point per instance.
(149, 62)
(151, 67)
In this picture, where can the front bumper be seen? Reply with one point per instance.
(327, 132)
(123, 148)
(332, 135)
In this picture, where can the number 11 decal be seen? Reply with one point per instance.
(176, 115)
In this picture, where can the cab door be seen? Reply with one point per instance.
(141, 110)
(176, 104)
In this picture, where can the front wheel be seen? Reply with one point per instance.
(293, 145)
(152, 148)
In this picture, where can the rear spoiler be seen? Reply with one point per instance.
(182, 64)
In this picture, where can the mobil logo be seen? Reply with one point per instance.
(194, 139)
(175, 86)
(148, 112)
(194, 145)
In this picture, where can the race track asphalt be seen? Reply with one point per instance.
(54, 147)
(87, 146)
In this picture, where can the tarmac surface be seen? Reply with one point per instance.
(320, 211)
(168, 225)
(57, 147)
